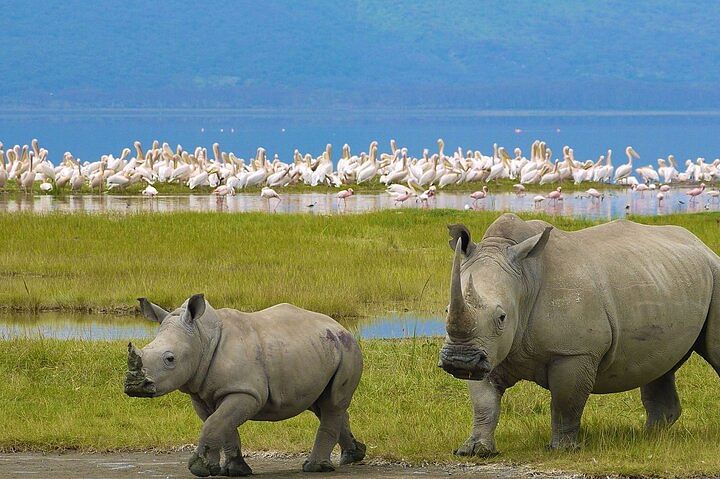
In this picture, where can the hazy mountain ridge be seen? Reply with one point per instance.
(362, 53)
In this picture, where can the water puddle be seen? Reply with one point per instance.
(104, 327)
(612, 203)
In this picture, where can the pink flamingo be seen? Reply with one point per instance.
(660, 198)
(594, 194)
(426, 195)
(479, 195)
(402, 198)
(555, 195)
(695, 192)
(642, 188)
(665, 188)
(344, 195)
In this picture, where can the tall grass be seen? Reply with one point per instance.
(68, 394)
(343, 266)
(354, 265)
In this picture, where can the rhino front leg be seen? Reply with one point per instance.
(485, 396)
(235, 465)
(570, 380)
(217, 432)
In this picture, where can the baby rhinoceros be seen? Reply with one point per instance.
(264, 366)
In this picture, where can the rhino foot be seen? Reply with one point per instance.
(200, 467)
(356, 454)
(318, 466)
(474, 447)
(236, 467)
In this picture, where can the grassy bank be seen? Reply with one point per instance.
(352, 265)
(498, 186)
(405, 408)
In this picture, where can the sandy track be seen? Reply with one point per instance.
(173, 465)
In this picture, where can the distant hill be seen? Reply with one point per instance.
(525, 54)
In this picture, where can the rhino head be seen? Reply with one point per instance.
(491, 285)
(172, 359)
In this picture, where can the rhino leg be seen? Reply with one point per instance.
(326, 438)
(220, 431)
(331, 409)
(352, 450)
(708, 344)
(485, 396)
(661, 401)
(570, 380)
(235, 465)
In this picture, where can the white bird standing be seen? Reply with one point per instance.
(269, 193)
(623, 171)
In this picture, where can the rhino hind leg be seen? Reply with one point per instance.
(661, 402)
(708, 344)
(326, 438)
(352, 450)
(331, 408)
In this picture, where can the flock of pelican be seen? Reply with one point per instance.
(405, 176)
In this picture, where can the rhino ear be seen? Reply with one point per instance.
(531, 247)
(152, 311)
(195, 308)
(461, 233)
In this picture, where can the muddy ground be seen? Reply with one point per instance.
(174, 465)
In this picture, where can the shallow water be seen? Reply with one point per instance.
(105, 327)
(613, 204)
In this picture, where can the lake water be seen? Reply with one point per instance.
(103, 327)
(614, 203)
(88, 134)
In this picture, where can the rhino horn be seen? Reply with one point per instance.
(134, 358)
(458, 321)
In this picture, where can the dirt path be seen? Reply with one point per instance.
(173, 465)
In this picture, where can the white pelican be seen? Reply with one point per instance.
(623, 171)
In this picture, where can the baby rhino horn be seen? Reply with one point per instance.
(134, 358)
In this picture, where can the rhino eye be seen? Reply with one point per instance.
(500, 317)
(169, 359)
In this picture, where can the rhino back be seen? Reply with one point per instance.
(287, 353)
(634, 296)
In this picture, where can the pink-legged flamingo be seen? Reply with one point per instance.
(344, 195)
(555, 195)
(695, 192)
(479, 195)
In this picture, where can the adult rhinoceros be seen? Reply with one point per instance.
(263, 366)
(605, 309)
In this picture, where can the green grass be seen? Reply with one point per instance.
(499, 186)
(355, 265)
(68, 394)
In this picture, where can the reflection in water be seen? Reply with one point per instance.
(613, 203)
(103, 327)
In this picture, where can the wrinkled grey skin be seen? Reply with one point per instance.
(264, 366)
(605, 309)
